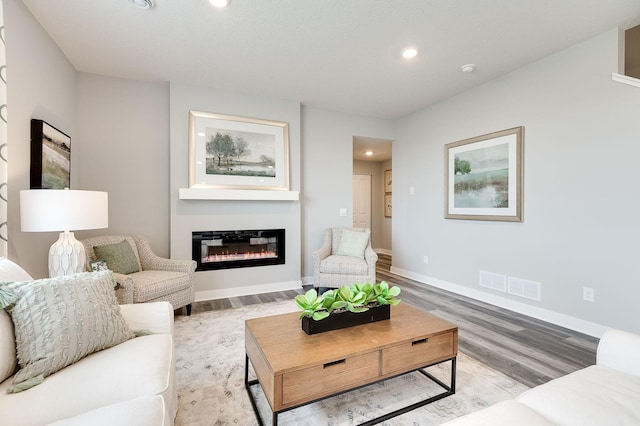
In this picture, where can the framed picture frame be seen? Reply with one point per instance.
(99, 265)
(50, 157)
(231, 152)
(484, 177)
(388, 199)
(387, 181)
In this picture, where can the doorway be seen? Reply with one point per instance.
(372, 158)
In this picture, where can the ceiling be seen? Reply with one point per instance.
(342, 55)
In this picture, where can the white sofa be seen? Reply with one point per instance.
(607, 393)
(132, 383)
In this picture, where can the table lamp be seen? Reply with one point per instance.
(65, 210)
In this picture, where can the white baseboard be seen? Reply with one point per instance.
(572, 323)
(247, 291)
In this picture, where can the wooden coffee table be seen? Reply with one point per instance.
(295, 369)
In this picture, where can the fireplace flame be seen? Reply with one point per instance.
(226, 257)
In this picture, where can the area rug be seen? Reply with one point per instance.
(210, 377)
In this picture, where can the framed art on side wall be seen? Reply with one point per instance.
(50, 157)
(484, 177)
(230, 152)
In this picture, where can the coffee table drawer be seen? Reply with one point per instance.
(332, 377)
(418, 353)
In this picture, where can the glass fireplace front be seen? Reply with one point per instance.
(237, 249)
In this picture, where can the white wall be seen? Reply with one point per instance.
(209, 215)
(580, 189)
(42, 85)
(327, 164)
(123, 133)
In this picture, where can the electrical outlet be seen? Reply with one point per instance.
(425, 259)
(588, 294)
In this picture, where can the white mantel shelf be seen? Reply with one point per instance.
(236, 194)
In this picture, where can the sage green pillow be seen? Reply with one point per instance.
(58, 321)
(120, 257)
(353, 243)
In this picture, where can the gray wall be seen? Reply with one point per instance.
(210, 215)
(580, 189)
(123, 133)
(42, 85)
(327, 164)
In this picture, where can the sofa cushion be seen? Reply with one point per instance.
(59, 321)
(153, 285)
(144, 411)
(138, 367)
(120, 257)
(344, 265)
(595, 395)
(9, 271)
(505, 413)
(353, 243)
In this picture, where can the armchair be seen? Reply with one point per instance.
(345, 258)
(152, 278)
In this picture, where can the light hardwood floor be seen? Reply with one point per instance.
(526, 349)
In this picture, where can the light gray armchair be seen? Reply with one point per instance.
(339, 262)
(154, 278)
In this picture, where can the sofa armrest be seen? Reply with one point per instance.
(370, 256)
(151, 261)
(619, 350)
(156, 317)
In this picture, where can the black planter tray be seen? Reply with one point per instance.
(336, 321)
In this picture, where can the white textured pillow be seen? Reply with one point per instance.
(59, 321)
(353, 243)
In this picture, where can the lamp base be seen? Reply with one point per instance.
(66, 256)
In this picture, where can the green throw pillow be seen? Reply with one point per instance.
(353, 243)
(120, 257)
(58, 321)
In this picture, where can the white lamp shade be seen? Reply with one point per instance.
(43, 210)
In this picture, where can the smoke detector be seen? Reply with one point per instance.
(142, 4)
(468, 68)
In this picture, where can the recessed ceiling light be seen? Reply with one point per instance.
(409, 53)
(142, 4)
(369, 153)
(468, 68)
(220, 3)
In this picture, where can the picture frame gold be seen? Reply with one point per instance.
(233, 152)
(387, 180)
(484, 177)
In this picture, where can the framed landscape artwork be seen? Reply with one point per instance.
(484, 177)
(230, 152)
(388, 199)
(387, 180)
(50, 157)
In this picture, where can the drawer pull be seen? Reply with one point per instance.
(417, 342)
(329, 364)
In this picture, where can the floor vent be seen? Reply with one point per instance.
(493, 281)
(524, 288)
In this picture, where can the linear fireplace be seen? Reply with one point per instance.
(237, 249)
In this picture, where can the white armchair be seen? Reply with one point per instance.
(345, 258)
(155, 278)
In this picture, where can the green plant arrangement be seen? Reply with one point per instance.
(356, 298)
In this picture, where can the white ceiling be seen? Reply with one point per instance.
(342, 55)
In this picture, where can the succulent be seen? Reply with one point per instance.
(355, 298)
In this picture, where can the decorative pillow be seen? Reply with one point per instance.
(59, 321)
(119, 257)
(353, 243)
